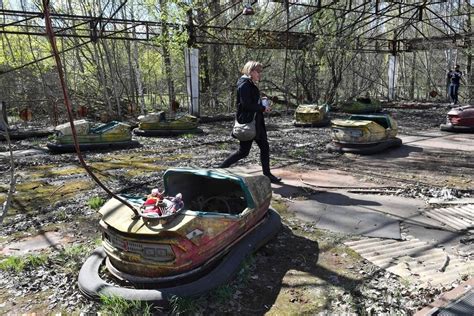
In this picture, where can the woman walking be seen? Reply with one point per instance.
(249, 105)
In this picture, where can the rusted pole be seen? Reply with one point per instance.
(67, 102)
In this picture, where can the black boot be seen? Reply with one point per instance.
(273, 179)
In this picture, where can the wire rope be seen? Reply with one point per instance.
(67, 102)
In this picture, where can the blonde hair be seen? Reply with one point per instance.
(250, 66)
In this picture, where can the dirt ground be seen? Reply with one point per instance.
(304, 270)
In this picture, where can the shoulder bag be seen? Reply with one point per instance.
(244, 131)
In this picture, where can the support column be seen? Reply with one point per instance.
(392, 77)
(192, 79)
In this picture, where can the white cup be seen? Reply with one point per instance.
(265, 102)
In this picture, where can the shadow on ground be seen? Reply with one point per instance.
(288, 271)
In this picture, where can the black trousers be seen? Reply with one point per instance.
(244, 150)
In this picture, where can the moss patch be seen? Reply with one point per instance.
(281, 207)
(31, 195)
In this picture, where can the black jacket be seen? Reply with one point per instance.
(250, 104)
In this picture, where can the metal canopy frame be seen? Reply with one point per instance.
(370, 15)
(374, 14)
(80, 26)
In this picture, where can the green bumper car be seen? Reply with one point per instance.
(90, 136)
(361, 106)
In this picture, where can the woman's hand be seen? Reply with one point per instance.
(267, 104)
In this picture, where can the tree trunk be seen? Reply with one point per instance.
(167, 59)
(138, 79)
(102, 78)
(413, 77)
(113, 75)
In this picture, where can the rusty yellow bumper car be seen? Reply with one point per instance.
(364, 134)
(312, 115)
(160, 124)
(208, 222)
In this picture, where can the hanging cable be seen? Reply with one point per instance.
(67, 102)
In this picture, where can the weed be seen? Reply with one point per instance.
(223, 293)
(223, 146)
(98, 241)
(61, 215)
(299, 152)
(405, 282)
(73, 252)
(183, 305)
(280, 206)
(20, 263)
(95, 202)
(187, 136)
(114, 305)
(36, 260)
(71, 258)
(245, 270)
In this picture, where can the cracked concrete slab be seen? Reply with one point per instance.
(35, 243)
(440, 140)
(413, 259)
(334, 208)
(346, 219)
(362, 214)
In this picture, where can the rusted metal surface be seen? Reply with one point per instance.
(457, 217)
(415, 260)
(87, 133)
(154, 121)
(310, 114)
(462, 116)
(150, 248)
(364, 129)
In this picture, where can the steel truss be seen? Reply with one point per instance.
(369, 13)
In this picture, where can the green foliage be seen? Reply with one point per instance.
(61, 215)
(75, 252)
(274, 162)
(95, 202)
(71, 258)
(114, 305)
(20, 263)
(223, 294)
(97, 241)
(298, 152)
(223, 146)
(246, 269)
(188, 136)
(183, 305)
